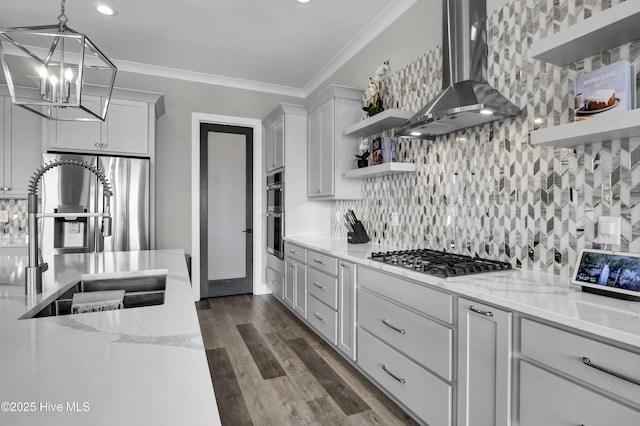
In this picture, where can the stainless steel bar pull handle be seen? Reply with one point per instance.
(399, 330)
(478, 311)
(319, 286)
(319, 261)
(386, 370)
(587, 361)
(315, 314)
(293, 251)
(344, 265)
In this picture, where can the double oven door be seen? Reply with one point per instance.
(275, 215)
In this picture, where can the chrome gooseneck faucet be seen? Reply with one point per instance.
(33, 272)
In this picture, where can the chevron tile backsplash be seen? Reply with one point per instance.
(487, 191)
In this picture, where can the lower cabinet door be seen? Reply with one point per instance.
(548, 399)
(300, 290)
(289, 281)
(429, 397)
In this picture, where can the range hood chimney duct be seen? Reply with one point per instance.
(467, 99)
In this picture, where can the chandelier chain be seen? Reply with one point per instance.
(62, 18)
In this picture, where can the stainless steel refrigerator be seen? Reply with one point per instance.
(72, 189)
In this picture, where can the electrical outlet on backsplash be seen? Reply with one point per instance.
(17, 218)
(486, 191)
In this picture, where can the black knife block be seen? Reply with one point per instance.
(359, 235)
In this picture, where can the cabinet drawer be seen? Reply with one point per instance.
(324, 287)
(296, 252)
(421, 392)
(426, 342)
(322, 262)
(566, 351)
(424, 299)
(323, 318)
(547, 399)
(275, 281)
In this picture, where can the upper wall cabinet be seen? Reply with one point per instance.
(275, 145)
(20, 148)
(330, 152)
(129, 127)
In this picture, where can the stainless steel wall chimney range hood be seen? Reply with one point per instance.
(467, 100)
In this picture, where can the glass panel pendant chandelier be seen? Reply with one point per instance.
(50, 68)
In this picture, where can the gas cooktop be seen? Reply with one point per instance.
(439, 263)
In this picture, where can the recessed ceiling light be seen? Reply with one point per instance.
(106, 10)
(304, 1)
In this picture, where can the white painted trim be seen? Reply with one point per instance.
(385, 18)
(259, 286)
(217, 80)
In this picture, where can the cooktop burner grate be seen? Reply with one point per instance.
(439, 263)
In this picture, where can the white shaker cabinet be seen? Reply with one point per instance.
(569, 378)
(275, 145)
(484, 365)
(21, 147)
(295, 278)
(347, 309)
(125, 130)
(330, 152)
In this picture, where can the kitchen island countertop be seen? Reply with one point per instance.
(124, 367)
(545, 296)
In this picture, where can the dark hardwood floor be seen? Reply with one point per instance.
(268, 368)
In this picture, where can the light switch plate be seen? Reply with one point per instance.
(4, 216)
(611, 223)
(395, 219)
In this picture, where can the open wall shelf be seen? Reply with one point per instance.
(380, 170)
(387, 119)
(610, 28)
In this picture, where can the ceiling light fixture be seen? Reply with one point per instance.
(49, 68)
(106, 10)
(304, 1)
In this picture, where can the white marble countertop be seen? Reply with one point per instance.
(540, 295)
(126, 367)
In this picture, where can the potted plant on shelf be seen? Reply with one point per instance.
(372, 96)
(363, 159)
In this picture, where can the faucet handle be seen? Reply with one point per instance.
(42, 265)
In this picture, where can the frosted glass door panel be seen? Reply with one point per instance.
(227, 206)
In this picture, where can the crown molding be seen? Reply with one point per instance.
(385, 18)
(198, 77)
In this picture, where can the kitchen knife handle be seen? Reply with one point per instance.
(586, 361)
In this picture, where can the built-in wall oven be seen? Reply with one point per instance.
(275, 214)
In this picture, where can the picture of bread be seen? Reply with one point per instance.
(602, 98)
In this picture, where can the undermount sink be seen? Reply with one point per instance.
(140, 290)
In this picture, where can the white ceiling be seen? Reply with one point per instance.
(279, 46)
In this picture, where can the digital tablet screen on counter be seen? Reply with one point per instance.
(617, 272)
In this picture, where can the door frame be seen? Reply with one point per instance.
(229, 286)
(259, 286)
